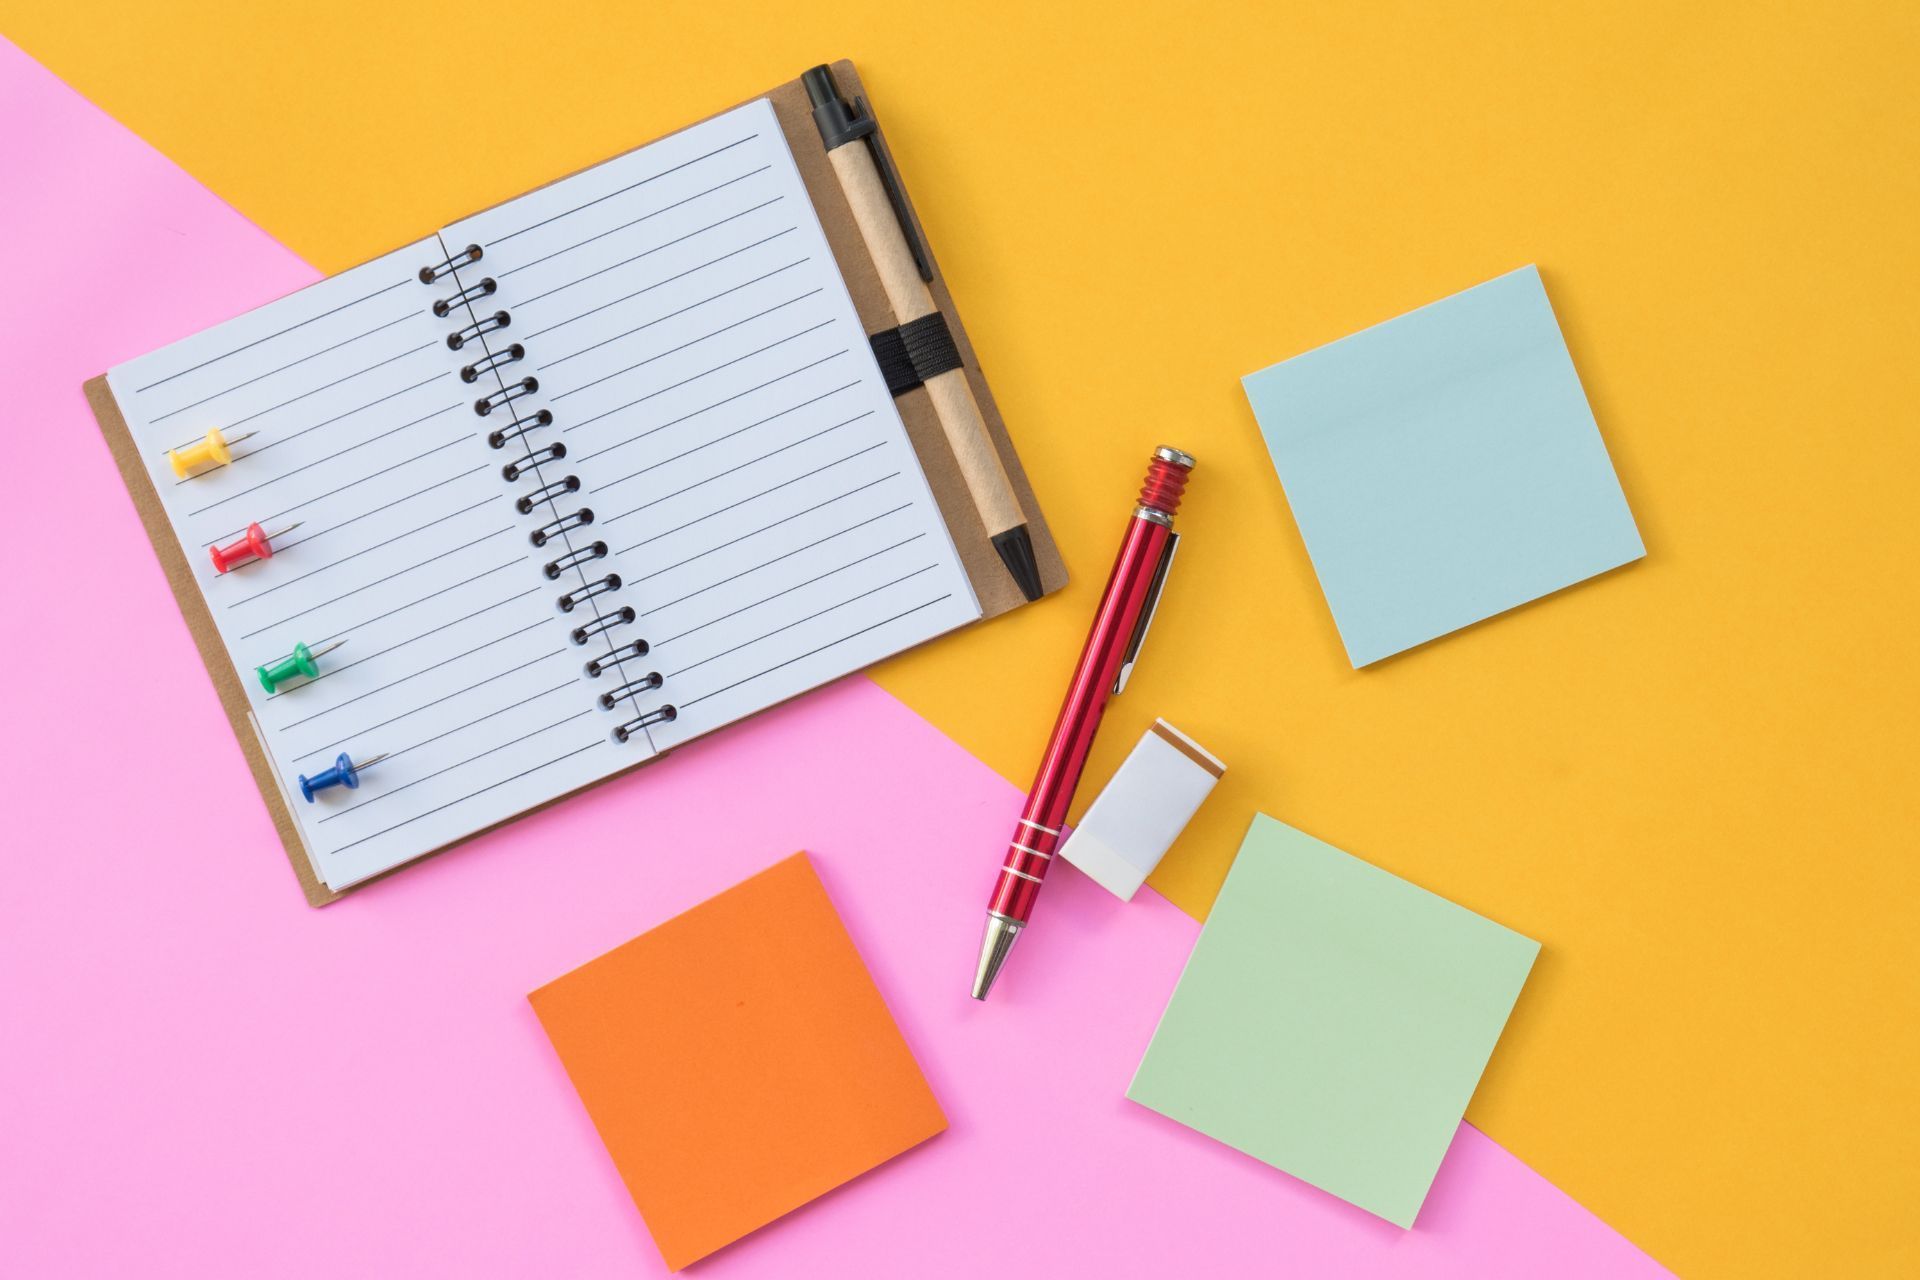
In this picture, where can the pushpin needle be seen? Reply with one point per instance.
(255, 544)
(301, 662)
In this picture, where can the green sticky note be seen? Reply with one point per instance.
(1333, 1020)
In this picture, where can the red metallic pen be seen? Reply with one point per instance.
(1119, 627)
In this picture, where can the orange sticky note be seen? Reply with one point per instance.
(738, 1061)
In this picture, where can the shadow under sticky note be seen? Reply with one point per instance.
(738, 1061)
(1444, 466)
(1333, 1020)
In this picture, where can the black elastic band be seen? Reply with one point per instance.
(917, 350)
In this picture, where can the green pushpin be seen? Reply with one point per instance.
(301, 662)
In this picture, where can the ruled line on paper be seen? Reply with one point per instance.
(411, 747)
(800, 621)
(440, 701)
(662, 319)
(395, 647)
(660, 608)
(781, 413)
(664, 641)
(331, 457)
(738, 395)
(647, 253)
(632, 222)
(501, 239)
(690, 451)
(420, 600)
(314, 499)
(385, 506)
(339, 561)
(368, 586)
(313, 355)
(751, 533)
(436, 665)
(236, 423)
(571, 683)
(268, 338)
(672, 351)
(758, 675)
(471, 795)
(390, 792)
(680, 490)
(726, 364)
(658, 284)
(734, 506)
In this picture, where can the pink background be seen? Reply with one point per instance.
(200, 1076)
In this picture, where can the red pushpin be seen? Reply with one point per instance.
(255, 544)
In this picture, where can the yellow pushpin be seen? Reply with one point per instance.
(215, 449)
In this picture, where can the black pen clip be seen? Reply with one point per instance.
(896, 190)
(1147, 610)
(841, 122)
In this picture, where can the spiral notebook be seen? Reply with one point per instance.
(571, 481)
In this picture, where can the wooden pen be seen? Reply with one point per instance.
(880, 210)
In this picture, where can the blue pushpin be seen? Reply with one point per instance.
(345, 773)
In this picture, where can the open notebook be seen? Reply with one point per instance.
(623, 472)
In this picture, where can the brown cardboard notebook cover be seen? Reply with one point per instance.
(991, 585)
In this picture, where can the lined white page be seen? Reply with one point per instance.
(714, 391)
(720, 404)
(456, 664)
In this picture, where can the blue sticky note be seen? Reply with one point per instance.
(1444, 466)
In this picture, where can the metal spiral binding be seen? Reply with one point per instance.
(526, 502)
(511, 355)
(645, 684)
(619, 653)
(545, 453)
(589, 594)
(466, 257)
(573, 599)
(600, 626)
(485, 289)
(506, 395)
(664, 714)
(479, 329)
(518, 427)
(547, 533)
(573, 560)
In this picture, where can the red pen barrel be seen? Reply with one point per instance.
(1129, 586)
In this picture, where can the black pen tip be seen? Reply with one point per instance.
(1015, 546)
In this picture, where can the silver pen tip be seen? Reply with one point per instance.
(994, 947)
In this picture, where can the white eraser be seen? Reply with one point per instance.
(1143, 809)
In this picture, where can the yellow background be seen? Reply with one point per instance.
(1692, 779)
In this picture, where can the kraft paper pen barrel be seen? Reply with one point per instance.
(880, 210)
